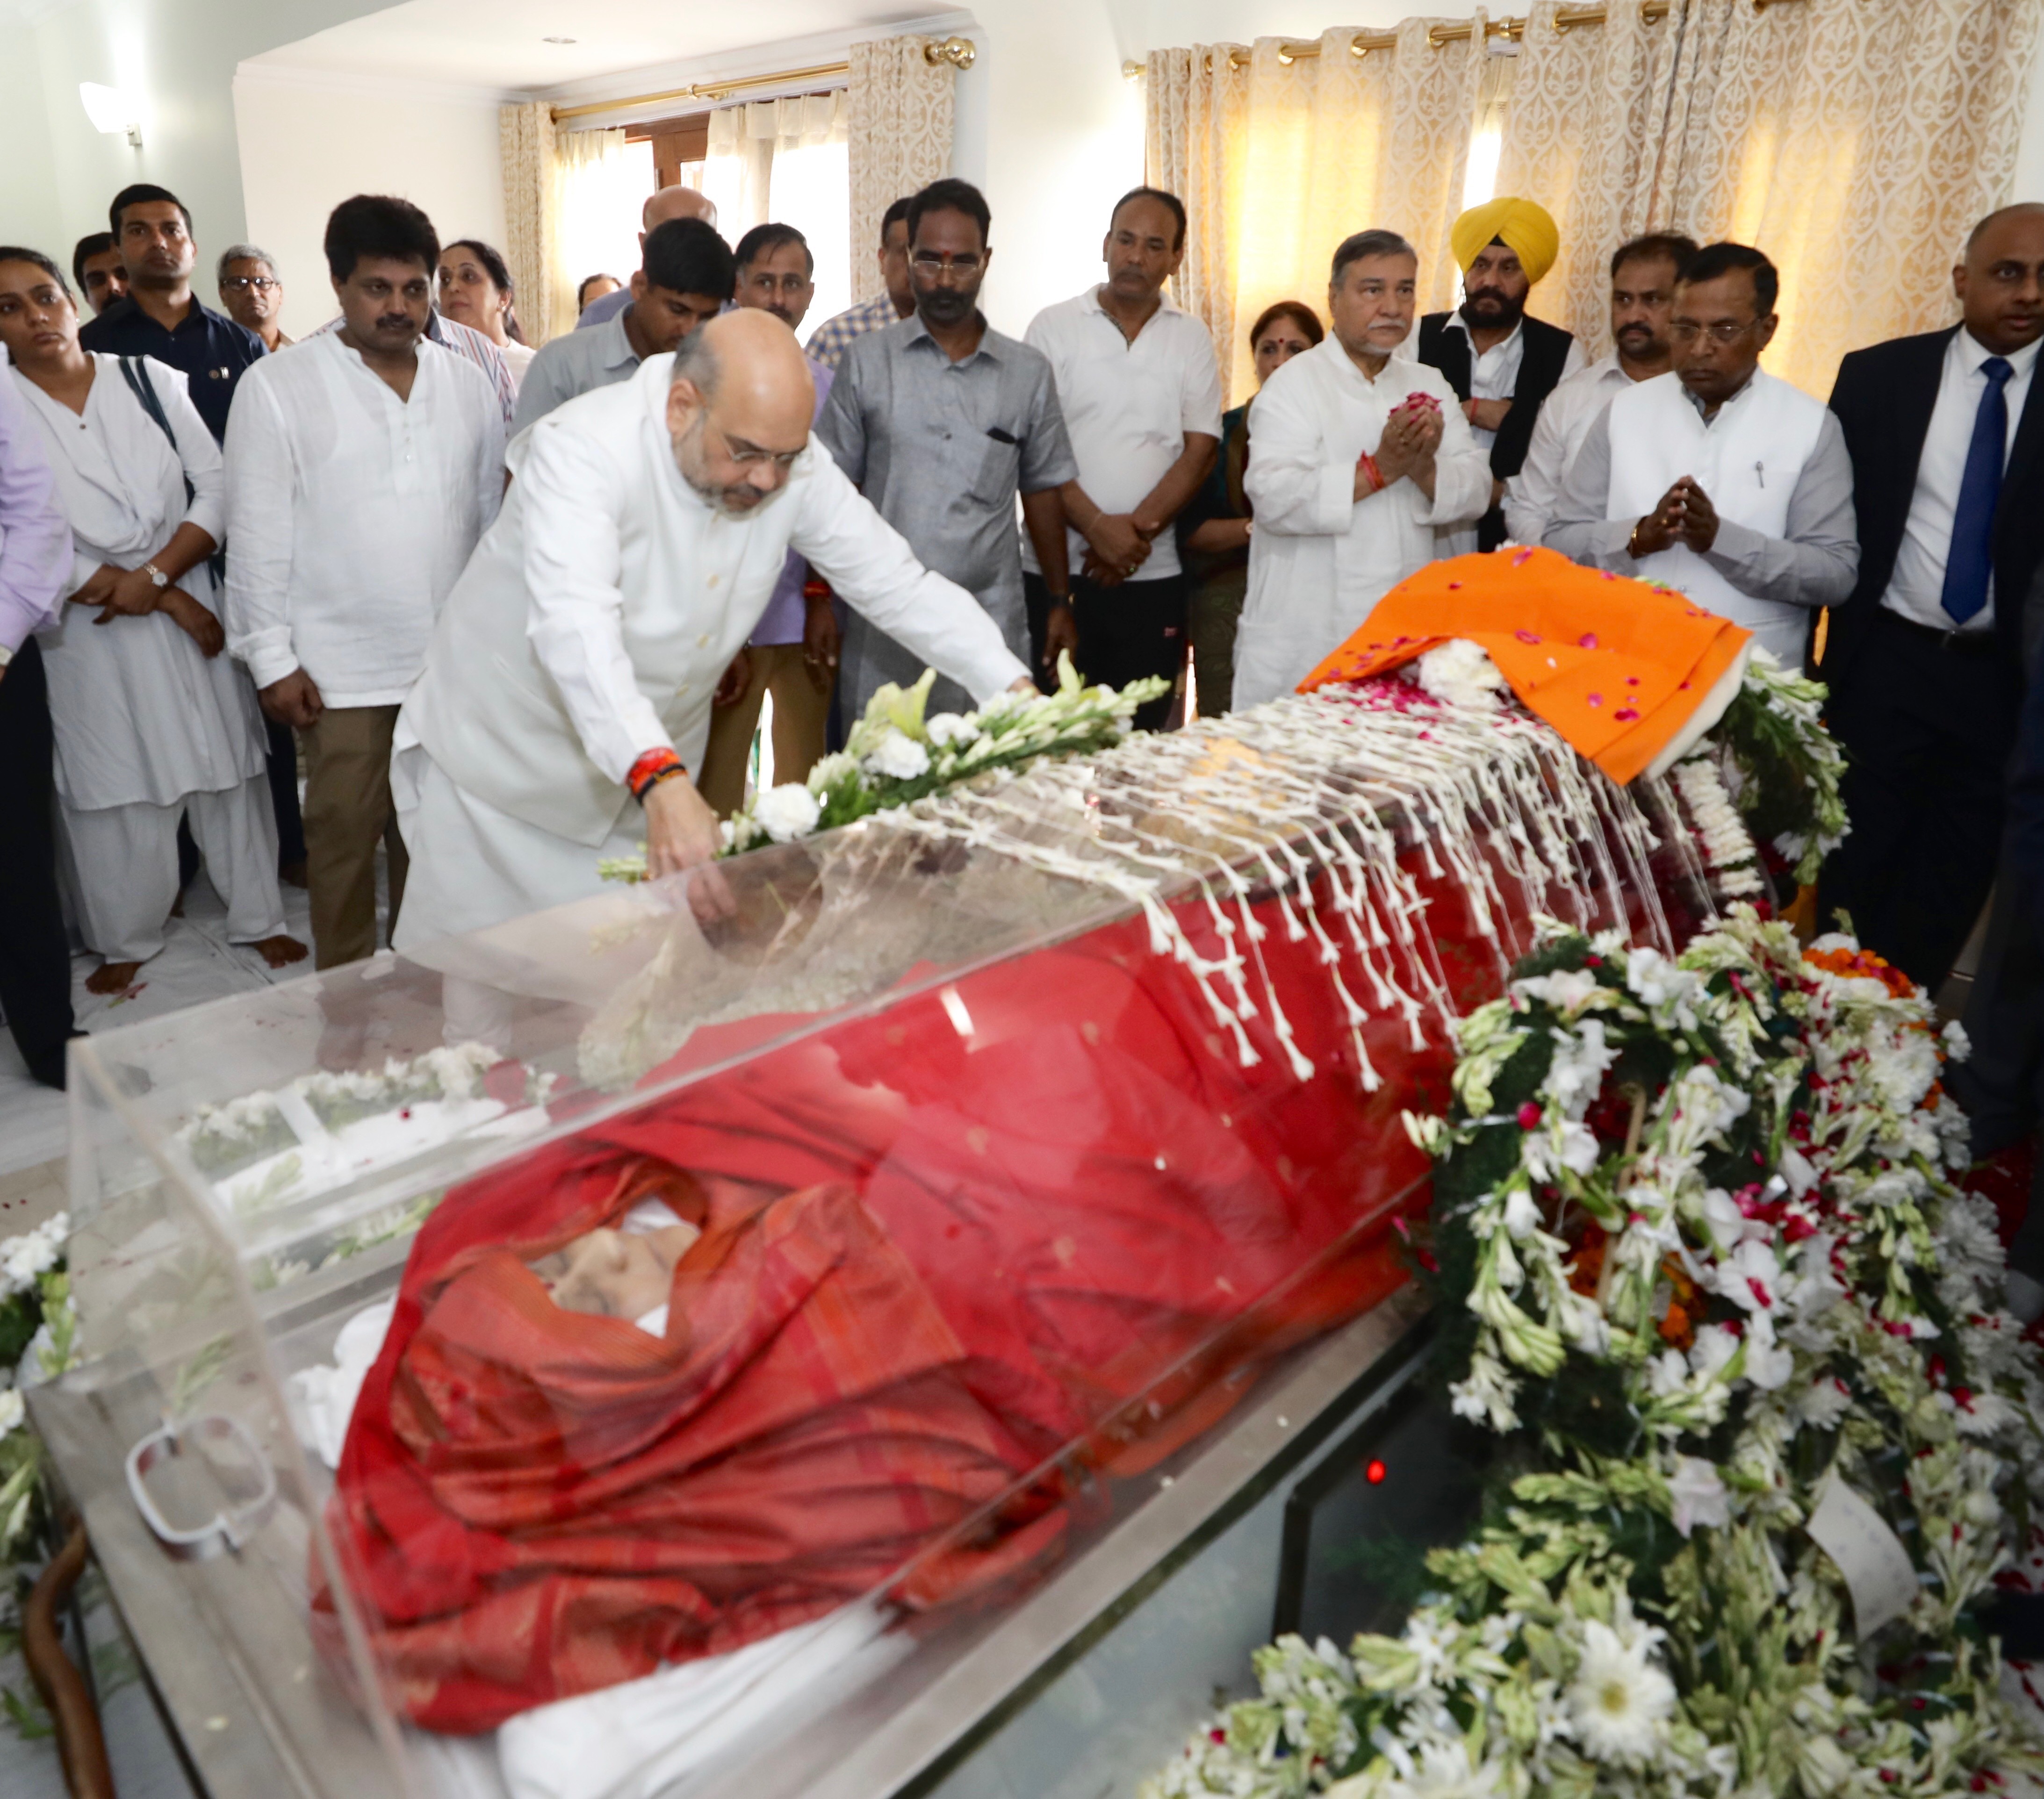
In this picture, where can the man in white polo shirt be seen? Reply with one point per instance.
(1141, 395)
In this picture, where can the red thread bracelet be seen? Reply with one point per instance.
(652, 768)
(1368, 464)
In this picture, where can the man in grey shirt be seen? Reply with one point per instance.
(687, 277)
(941, 421)
(1716, 479)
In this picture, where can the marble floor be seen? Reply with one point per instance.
(197, 964)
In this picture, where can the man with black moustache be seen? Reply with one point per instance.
(1501, 364)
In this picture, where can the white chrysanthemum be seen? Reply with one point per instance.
(1459, 673)
(1769, 1365)
(1619, 1701)
(948, 728)
(1442, 1771)
(1699, 1494)
(788, 812)
(1667, 990)
(1567, 990)
(1576, 1072)
(1823, 1402)
(898, 756)
(831, 769)
(1714, 1348)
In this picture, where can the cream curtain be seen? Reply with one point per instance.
(526, 141)
(1278, 160)
(748, 142)
(1855, 141)
(900, 119)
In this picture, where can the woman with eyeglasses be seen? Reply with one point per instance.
(1214, 528)
(251, 295)
(475, 291)
(153, 724)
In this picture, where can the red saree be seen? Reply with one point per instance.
(935, 1255)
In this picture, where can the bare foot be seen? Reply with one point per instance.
(279, 951)
(113, 977)
(292, 874)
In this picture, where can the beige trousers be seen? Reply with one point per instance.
(348, 811)
(801, 714)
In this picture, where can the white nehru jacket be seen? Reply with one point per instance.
(596, 617)
(1747, 460)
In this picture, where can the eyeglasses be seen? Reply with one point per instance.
(940, 268)
(240, 284)
(782, 459)
(1724, 330)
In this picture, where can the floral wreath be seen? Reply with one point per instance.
(1702, 1267)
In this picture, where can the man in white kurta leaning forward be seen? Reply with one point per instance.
(1643, 296)
(1718, 479)
(1360, 452)
(566, 701)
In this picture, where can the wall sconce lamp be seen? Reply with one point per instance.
(111, 111)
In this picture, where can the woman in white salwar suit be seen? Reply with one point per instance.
(152, 723)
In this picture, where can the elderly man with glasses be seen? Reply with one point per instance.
(251, 295)
(1717, 479)
(566, 701)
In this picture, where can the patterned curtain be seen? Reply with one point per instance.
(1855, 141)
(1277, 161)
(901, 138)
(525, 137)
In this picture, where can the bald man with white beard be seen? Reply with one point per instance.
(566, 701)
(676, 202)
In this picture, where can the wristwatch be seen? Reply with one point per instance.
(157, 578)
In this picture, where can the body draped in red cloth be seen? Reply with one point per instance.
(942, 1276)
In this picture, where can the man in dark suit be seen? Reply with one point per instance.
(1501, 364)
(1925, 659)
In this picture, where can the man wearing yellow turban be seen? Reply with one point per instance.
(1501, 364)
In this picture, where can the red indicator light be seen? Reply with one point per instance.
(1374, 1474)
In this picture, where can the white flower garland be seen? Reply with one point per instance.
(1781, 1205)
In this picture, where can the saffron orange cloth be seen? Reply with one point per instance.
(1619, 667)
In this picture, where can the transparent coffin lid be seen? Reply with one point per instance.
(208, 1265)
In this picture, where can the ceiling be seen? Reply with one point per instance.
(503, 45)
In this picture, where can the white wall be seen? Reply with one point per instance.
(2030, 151)
(1051, 130)
(179, 57)
(309, 142)
(29, 213)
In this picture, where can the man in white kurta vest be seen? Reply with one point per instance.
(1716, 479)
(566, 701)
(1360, 452)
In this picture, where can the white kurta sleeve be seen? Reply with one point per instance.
(568, 491)
(204, 467)
(1461, 466)
(1295, 490)
(261, 480)
(1530, 495)
(871, 567)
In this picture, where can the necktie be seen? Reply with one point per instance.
(1970, 561)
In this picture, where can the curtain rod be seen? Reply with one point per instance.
(959, 51)
(1364, 41)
